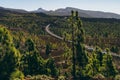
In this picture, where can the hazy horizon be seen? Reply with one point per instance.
(30, 5)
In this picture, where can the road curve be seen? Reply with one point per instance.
(52, 34)
(61, 38)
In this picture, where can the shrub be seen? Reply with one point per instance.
(117, 77)
(98, 77)
(17, 75)
(61, 78)
(41, 77)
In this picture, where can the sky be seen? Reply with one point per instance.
(96, 5)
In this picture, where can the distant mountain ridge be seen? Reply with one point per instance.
(12, 10)
(83, 13)
(39, 10)
(66, 12)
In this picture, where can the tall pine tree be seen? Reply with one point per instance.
(79, 55)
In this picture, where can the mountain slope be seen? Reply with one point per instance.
(64, 12)
(40, 10)
(83, 13)
(2, 9)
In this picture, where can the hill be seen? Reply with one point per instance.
(2, 9)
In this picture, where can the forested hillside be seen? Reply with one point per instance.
(99, 31)
(28, 52)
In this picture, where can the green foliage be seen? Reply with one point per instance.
(30, 45)
(22, 26)
(103, 32)
(99, 56)
(110, 70)
(61, 78)
(93, 67)
(98, 77)
(17, 43)
(5, 37)
(48, 49)
(79, 55)
(17, 74)
(78, 34)
(9, 55)
(95, 64)
(51, 65)
(101, 64)
(67, 55)
(82, 58)
(33, 64)
(114, 49)
(82, 74)
(33, 23)
(117, 77)
(102, 27)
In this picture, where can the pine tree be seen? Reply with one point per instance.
(79, 55)
(33, 63)
(51, 65)
(95, 64)
(72, 19)
(30, 45)
(82, 57)
(48, 49)
(110, 70)
(99, 56)
(9, 55)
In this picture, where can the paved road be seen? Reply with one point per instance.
(87, 47)
(52, 34)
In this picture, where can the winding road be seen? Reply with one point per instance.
(61, 38)
(52, 34)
